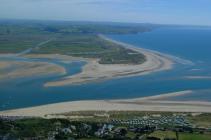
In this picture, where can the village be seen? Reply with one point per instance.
(146, 127)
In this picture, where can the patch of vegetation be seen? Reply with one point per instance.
(132, 114)
(163, 134)
(92, 46)
(187, 136)
(38, 128)
(19, 43)
(203, 120)
(102, 116)
(75, 39)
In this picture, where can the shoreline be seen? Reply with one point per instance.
(151, 103)
(93, 71)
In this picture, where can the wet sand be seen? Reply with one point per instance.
(19, 69)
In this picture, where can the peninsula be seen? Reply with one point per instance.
(104, 57)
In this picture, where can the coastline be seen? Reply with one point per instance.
(152, 103)
(93, 71)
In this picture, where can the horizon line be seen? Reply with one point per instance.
(114, 22)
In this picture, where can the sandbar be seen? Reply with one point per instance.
(18, 69)
(152, 103)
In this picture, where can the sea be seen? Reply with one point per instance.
(188, 47)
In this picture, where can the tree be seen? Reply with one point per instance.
(177, 135)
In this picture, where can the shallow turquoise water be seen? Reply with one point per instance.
(192, 44)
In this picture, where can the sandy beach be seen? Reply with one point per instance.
(93, 71)
(153, 103)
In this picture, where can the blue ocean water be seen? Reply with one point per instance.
(188, 43)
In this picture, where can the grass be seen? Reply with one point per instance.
(73, 45)
(92, 46)
(187, 136)
(33, 127)
(203, 120)
(124, 115)
(18, 43)
(74, 40)
(182, 136)
(163, 134)
(131, 135)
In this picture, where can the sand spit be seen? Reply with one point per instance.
(153, 103)
(19, 69)
(93, 71)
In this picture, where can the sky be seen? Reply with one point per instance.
(191, 12)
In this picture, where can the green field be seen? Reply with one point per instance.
(80, 40)
(163, 134)
(18, 43)
(15, 38)
(182, 136)
(91, 46)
